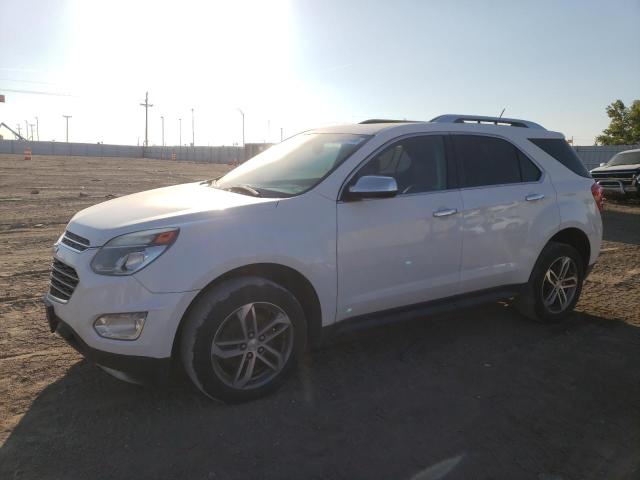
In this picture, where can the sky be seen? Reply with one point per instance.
(292, 65)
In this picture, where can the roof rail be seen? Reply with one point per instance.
(512, 122)
(382, 120)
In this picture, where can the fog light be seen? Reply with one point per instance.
(120, 326)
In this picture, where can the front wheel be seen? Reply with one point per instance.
(242, 338)
(555, 284)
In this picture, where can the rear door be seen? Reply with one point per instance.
(508, 208)
(399, 251)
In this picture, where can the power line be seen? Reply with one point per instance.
(36, 92)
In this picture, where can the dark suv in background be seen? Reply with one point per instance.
(620, 175)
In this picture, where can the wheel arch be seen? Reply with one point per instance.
(577, 239)
(283, 275)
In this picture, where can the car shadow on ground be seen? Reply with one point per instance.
(480, 393)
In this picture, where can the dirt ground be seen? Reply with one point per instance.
(478, 394)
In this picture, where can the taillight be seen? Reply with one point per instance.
(598, 196)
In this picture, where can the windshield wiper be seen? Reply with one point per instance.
(244, 188)
(211, 181)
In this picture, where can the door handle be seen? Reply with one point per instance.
(445, 212)
(534, 197)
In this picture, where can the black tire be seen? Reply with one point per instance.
(210, 317)
(530, 301)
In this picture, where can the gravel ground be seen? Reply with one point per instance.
(481, 393)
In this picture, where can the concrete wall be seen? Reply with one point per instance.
(197, 154)
(590, 156)
(594, 156)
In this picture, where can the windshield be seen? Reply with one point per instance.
(293, 166)
(625, 158)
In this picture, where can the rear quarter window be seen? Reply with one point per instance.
(559, 149)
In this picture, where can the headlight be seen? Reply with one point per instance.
(130, 253)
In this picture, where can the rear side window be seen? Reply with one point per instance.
(562, 152)
(530, 173)
(492, 161)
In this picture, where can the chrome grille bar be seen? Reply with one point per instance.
(64, 280)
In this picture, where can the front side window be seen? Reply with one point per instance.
(492, 161)
(418, 164)
(293, 166)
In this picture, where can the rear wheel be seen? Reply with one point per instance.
(242, 338)
(555, 284)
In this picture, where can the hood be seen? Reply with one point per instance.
(168, 206)
(617, 168)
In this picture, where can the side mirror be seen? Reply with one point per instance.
(602, 164)
(373, 186)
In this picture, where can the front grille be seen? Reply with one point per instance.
(74, 241)
(607, 182)
(64, 280)
(619, 175)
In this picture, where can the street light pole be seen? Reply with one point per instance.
(67, 117)
(244, 153)
(193, 131)
(37, 129)
(162, 130)
(242, 113)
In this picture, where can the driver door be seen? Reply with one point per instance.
(404, 250)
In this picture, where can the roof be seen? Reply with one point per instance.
(374, 126)
(360, 128)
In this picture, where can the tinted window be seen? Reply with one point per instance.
(530, 173)
(487, 160)
(418, 164)
(562, 152)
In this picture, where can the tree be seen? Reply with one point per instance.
(624, 128)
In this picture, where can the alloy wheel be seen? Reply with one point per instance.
(560, 284)
(252, 345)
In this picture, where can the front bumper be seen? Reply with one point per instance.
(96, 295)
(618, 187)
(135, 368)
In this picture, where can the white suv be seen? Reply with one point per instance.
(235, 277)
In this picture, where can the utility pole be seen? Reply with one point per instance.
(26, 128)
(162, 130)
(146, 106)
(180, 131)
(280, 133)
(37, 129)
(67, 117)
(19, 130)
(193, 131)
(32, 125)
